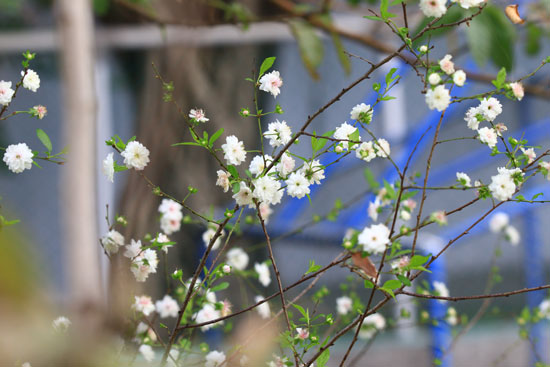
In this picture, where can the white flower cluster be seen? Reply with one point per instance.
(6, 93)
(362, 112)
(271, 83)
(369, 150)
(237, 258)
(144, 262)
(209, 234)
(136, 155)
(438, 8)
(343, 132)
(503, 185)
(214, 359)
(264, 276)
(487, 110)
(438, 98)
(500, 224)
(278, 133)
(344, 305)
(112, 241)
(371, 325)
(171, 216)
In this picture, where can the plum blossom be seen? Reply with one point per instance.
(237, 258)
(433, 8)
(447, 65)
(314, 171)
(207, 313)
(438, 98)
(18, 157)
(371, 325)
(6, 93)
(366, 151)
(343, 132)
(502, 185)
(267, 190)
(147, 352)
(434, 79)
(39, 111)
(136, 155)
(144, 304)
(264, 276)
(259, 163)
(167, 307)
(278, 133)
(545, 166)
(488, 136)
(31, 80)
(459, 78)
(214, 359)
(198, 115)
(512, 235)
(441, 290)
(61, 324)
(374, 238)
(373, 209)
(286, 165)
(302, 333)
(467, 4)
(265, 211)
(544, 309)
(108, 167)
(271, 83)
(223, 180)
(244, 196)
(498, 222)
(263, 310)
(209, 234)
(344, 305)
(490, 108)
(517, 90)
(162, 239)
(297, 185)
(144, 264)
(439, 217)
(471, 117)
(382, 148)
(233, 150)
(362, 112)
(112, 241)
(530, 154)
(464, 179)
(133, 249)
(451, 317)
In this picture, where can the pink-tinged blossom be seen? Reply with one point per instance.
(530, 154)
(517, 90)
(433, 8)
(344, 305)
(167, 307)
(439, 217)
(488, 136)
(223, 180)
(271, 83)
(447, 65)
(144, 304)
(206, 314)
(198, 115)
(6, 93)
(302, 333)
(438, 98)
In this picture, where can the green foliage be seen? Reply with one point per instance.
(310, 45)
(44, 139)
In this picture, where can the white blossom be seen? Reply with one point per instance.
(265, 211)
(502, 185)
(31, 80)
(209, 234)
(61, 324)
(451, 316)
(512, 235)
(314, 171)
(440, 290)
(302, 333)
(135, 155)
(108, 167)
(546, 166)
(517, 90)
(161, 239)
(434, 79)
(471, 117)
(198, 115)
(267, 190)
(382, 148)
(498, 222)
(170, 222)
(18, 157)
(490, 108)
(244, 196)
(263, 310)
(373, 209)
(343, 305)
(371, 325)
(206, 314)
(530, 154)
(264, 277)
(297, 185)
(467, 4)
(438, 98)
(447, 65)
(362, 112)
(168, 206)
(167, 307)
(366, 151)
(544, 309)
(214, 359)
(6, 93)
(237, 258)
(233, 150)
(133, 249)
(144, 264)
(374, 238)
(259, 163)
(143, 304)
(271, 83)
(223, 180)
(459, 78)
(112, 241)
(488, 136)
(464, 179)
(286, 165)
(278, 133)
(147, 352)
(343, 132)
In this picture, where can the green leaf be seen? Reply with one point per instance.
(534, 34)
(501, 79)
(233, 171)
(187, 143)
(454, 14)
(419, 260)
(389, 76)
(323, 358)
(45, 139)
(372, 17)
(341, 51)
(388, 291)
(536, 196)
(220, 287)
(310, 45)
(369, 176)
(392, 284)
(312, 267)
(369, 284)
(215, 137)
(384, 10)
(266, 64)
(404, 280)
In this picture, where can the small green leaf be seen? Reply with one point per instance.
(220, 287)
(233, 171)
(369, 284)
(404, 280)
(215, 137)
(266, 64)
(323, 358)
(501, 79)
(372, 17)
(392, 284)
(44, 138)
(313, 267)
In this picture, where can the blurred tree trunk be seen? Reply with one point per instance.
(206, 78)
